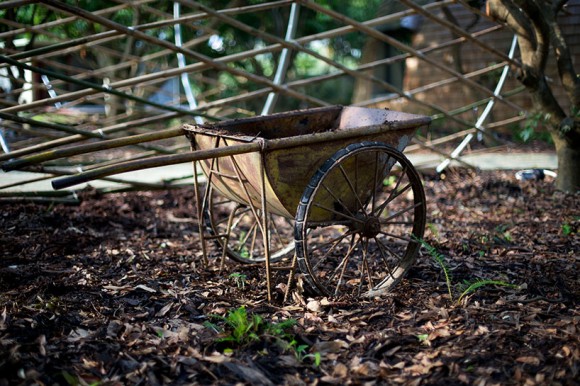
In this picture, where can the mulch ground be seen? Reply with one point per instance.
(113, 291)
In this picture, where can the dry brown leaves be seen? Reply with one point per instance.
(113, 291)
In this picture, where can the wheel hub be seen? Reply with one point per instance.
(368, 226)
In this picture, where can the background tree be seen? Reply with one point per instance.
(536, 24)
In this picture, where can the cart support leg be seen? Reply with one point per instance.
(290, 279)
(227, 237)
(199, 205)
(265, 232)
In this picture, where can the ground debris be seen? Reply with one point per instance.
(113, 291)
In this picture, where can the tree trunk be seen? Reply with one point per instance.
(568, 165)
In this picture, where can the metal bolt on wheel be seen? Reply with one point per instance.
(359, 221)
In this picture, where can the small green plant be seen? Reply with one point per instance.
(301, 354)
(468, 286)
(239, 279)
(72, 380)
(390, 181)
(241, 328)
(503, 235)
(534, 128)
(423, 337)
(440, 260)
(567, 229)
(433, 228)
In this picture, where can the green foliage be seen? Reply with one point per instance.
(225, 40)
(74, 381)
(534, 129)
(569, 229)
(502, 234)
(467, 287)
(239, 279)
(440, 260)
(242, 329)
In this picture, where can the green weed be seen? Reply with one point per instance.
(467, 287)
(440, 260)
(433, 228)
(503, 235)
(239, 279)
(567, 229)
(241, 329)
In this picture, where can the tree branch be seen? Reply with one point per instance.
(568, 76)
(506, 12)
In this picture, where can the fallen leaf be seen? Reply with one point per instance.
(530, 360)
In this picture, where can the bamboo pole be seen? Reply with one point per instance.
(152, 162)
(282, 143)
(15, 3)
(104, 89)
(189, 19)
(60, 21)
(195, 55)
(76, 138)
(305, 39)
(327, 34)
(89, 148)
(298, 47)
(461, 32)
(403, 47)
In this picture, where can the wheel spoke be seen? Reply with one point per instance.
(395, 192)
(343, 265)
(337, 212)
(337, 199)
(235, 223)
(376, 181)
(277, 233)
(397, 223)
(244, 237)
(382, 247)
(334, 243)
(402, 211)
(385, 247)
(407, 239)
(365, 264)
(354, 192)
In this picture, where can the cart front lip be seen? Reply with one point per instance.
(407, 121)
(308, 139)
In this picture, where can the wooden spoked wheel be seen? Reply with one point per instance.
(360, 221)
(236, 230)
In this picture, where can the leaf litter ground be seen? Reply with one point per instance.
(113, 291)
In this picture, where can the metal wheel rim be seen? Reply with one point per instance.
(357, 238)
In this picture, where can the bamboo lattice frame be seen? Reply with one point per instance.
(63, 84)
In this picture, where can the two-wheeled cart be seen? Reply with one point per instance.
(327, 188)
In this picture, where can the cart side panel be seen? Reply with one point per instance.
(282, 125)
(228, 171)
(290, 170)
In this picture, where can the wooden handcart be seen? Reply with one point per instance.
(328, 189)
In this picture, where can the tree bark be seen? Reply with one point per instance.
(568, 179)
(534, 21)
